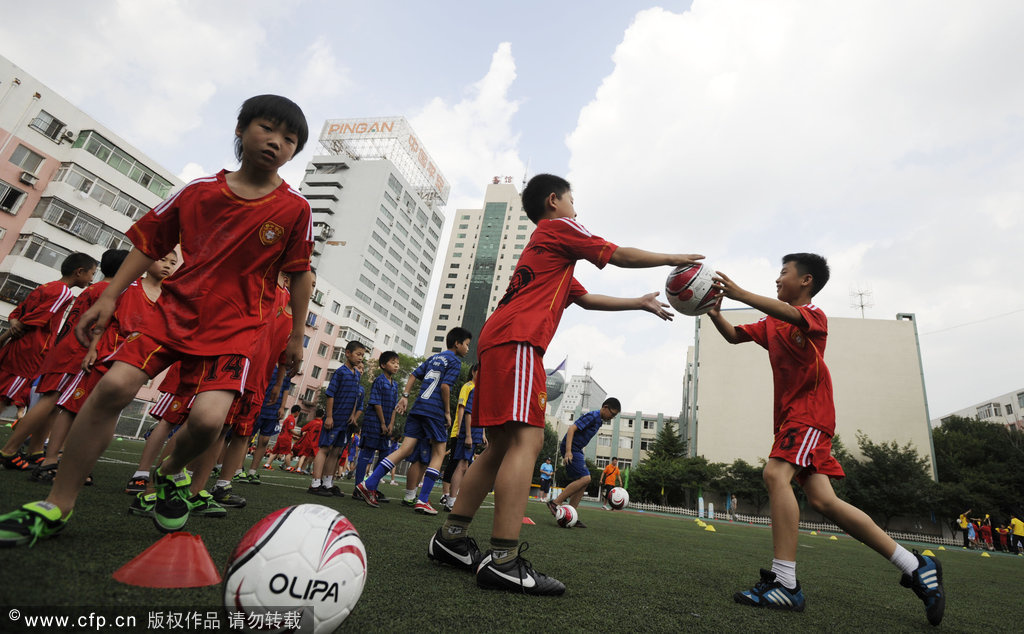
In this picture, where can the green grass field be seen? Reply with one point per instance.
(627, 571)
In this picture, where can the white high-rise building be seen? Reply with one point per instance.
(482, 254)
(376, 197)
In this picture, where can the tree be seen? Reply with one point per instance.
(746, 482)
(668, 444)
(891, 481)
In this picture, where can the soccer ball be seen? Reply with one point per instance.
(689, 289)
(306, 559)
(618, 498)
(566, 516)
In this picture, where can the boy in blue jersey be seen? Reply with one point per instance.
(379, 420)
(268, 424)
(571, 447)
(429, 418)
(340, 423)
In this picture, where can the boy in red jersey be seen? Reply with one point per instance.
(61, 364)
(237, 231)
(282, 449)
(511, 391)
(795, 332)
(34, 325)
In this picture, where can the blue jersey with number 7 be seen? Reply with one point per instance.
(441, 369)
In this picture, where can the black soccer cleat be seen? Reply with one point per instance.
(516, 575)
(461, 552)
(926, 582)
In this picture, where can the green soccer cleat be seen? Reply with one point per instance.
(33, 521)
(142, 505)
(202, 504)
(170, 512)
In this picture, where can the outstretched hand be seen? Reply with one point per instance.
(726, 286)
(652, 304)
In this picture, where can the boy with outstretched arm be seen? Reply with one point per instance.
(795, 331)
(575, 440)
(511, 390)
(236, 231)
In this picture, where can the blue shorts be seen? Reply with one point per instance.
(337, 436)
(420, 453)
(417, 426)
(462, 452)
(374, 443)
(267, 426)
(578, 467)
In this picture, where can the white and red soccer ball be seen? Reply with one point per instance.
(618, 498)
(566, 516)
(690, 289)
(293, 559)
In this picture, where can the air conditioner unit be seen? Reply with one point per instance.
(29, 178)
(68, 135)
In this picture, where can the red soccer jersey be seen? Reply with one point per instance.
(41, 312)
(232, 251)
(172, 380)
(310, 434)
(271, 344)
(542, 285)
(287, 425)
(66, 355)
(803, 385)
(131, 311)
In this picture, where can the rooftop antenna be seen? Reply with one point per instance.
(861, 298)
(526, 172)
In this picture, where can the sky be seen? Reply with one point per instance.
(887, 136)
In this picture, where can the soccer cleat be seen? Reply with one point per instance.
(320, 490)
(43, 474)
(335, 491)
(268, 467)
(926, 582)
(410, 502)
(552, 507)
(516, 575)
(170, 512)
(36, 459)
(769, 593)
(367, 495)
(444, 500)
(240, 477)
(15, 462)
(579, 524)
(33, 521)
(143, 504)
(447, 508)
(226, 497)
(136, 485)
(461, 552)
(424, 508)
(204, 505)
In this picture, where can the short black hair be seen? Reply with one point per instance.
(277, 109)
(537, 191)
(76, 261)
(111, 260)
(810, 264)
(296, 409)
(321, 412)
(386, 357)
(612, 403)
(355, 345)
(456, 335)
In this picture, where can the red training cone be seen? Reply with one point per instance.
(178, 560)
(527, 520)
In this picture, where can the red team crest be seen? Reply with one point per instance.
(542, 398)
(270, 233)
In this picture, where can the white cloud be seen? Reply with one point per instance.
(885, 135)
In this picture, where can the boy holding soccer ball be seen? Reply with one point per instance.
(794, 332)
(511, 392)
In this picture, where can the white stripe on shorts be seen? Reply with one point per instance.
(811, 437)
(69, 391)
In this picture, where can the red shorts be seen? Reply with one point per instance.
(53, 382)
(808, 448)
(225, 372)
(14, 388)
(79, 389)
(172, 408)
(511, 386)
(306, 449)
(283, 444)
(245, 409)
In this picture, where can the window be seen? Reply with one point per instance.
(371, 267)
(10, 198)
(315, 373)
(604, 441)
(322, 350)
(305, 341)
(309, 395)
(438, 338)
(521, 236)
(362, 296)
(383, 226)
(649, 424)
(380, 309)
(365, 280)
(387, 213)
(59, 214)
(462, 235)
(442, 316)
(377, 255)
(318, 298)
(457, 254)
(453, 286)
(446, 306)
(100, 191)
(14, 289)
(329, 328)
(1020, 401)
(109, 153)
(26, 159)
(336, 354)
(335, 307)
(625, 442)
(646, 444)
(311, 320)
(452, 276)
(48, 125)
(40, 249)
(463, 226)
(394, 185)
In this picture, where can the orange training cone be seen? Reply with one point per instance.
(527, 520)
(178, 560)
